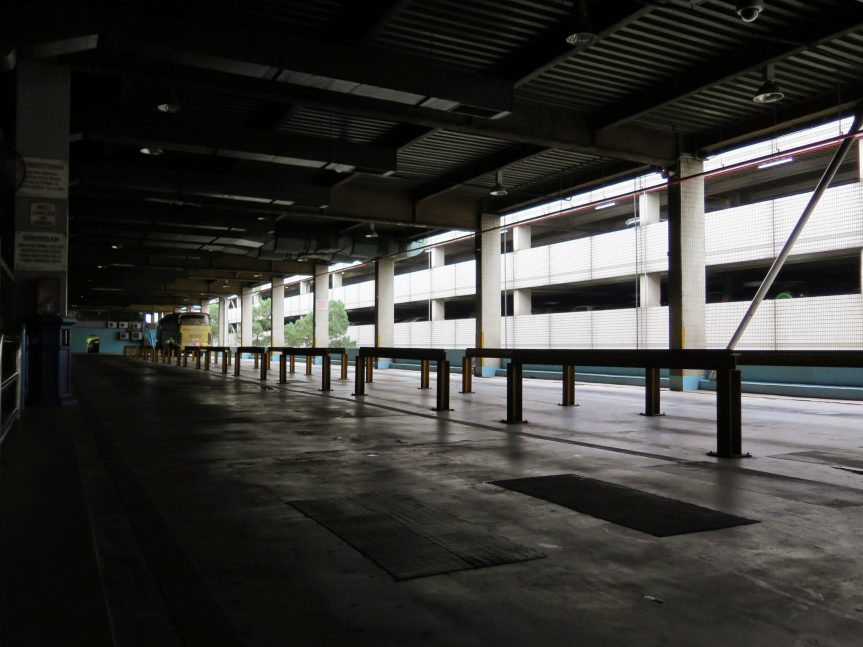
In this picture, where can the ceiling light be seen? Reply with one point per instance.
(779, 162)
(499, 190)
(604, 205)
(151, 151)
(769, 92)
(372, 233)
(171, 106)
(582, 32)
(749, 10)
(116, 246)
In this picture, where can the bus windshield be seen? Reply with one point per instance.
(195, 319)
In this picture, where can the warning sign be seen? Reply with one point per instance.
(45, 178)
(43, 214)
(41, 251)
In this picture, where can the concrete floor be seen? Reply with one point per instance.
(187, 478)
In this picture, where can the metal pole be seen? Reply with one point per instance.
(823, 183)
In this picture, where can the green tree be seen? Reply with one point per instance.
(214, 323)
(262, 323)
(299, 333)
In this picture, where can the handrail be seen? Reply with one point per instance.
(8, 415)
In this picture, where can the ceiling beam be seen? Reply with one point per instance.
(287, 149)
(255, 181)
(476, 169)
(32, 30)
(529, 123)
(254, 51)
(828, 106)
(744, 60)
(551, 49)
(363, 21)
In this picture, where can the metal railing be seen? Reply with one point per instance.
(10, 383)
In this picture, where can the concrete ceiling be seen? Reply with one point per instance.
(302, 122)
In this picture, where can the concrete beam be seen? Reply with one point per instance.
(260, 182)
(529, 123)
(276, 148)
(743, 60)
(254, 51)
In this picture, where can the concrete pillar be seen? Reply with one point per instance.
(438, 312)
(487, 254)
(437, 258)
(384, 302)
(649, 284)
(322, 307)
(521, 302)
(336, 280)
(42, 202)
(304, 287)
(521, 299)
(686, 273)
(246, 312)
(223, 321)
(277, 313)
(521, 238)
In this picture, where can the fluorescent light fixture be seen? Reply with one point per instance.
(171, 106)
(372, 233)
(148, 150)
(604, 205)
(582, 31)
(498, 190)
(779, 162)
(630, 222)
(769, 92)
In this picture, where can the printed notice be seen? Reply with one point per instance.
(41, 251)
(45, 178)
(43, 214)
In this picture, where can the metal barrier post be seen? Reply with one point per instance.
(263, 375)
(184, 358)
(568, 396)
(216, 359)
(268, 357)
(237, 364)
(325, 373)
(424, 373)
(513, 393)
(442, 385)
(197, 359)
(179, 353)
(359, 374)
(283, 366)
(466, 375)
(256, 360)
(226, 360)
(370, 370)
(344, 373)
(293, 363)
(651, 392)
(207, 359)
(309, 359)
(729, 434)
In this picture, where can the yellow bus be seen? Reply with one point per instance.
(182, 329)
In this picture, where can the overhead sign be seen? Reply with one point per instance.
(40, 251)
(45, 178)
(43, 214)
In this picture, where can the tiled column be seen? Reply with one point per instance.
(321, 307)
(384, 305)
(487, 253)
(686, 273)
(277, 312)
(246, 313)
